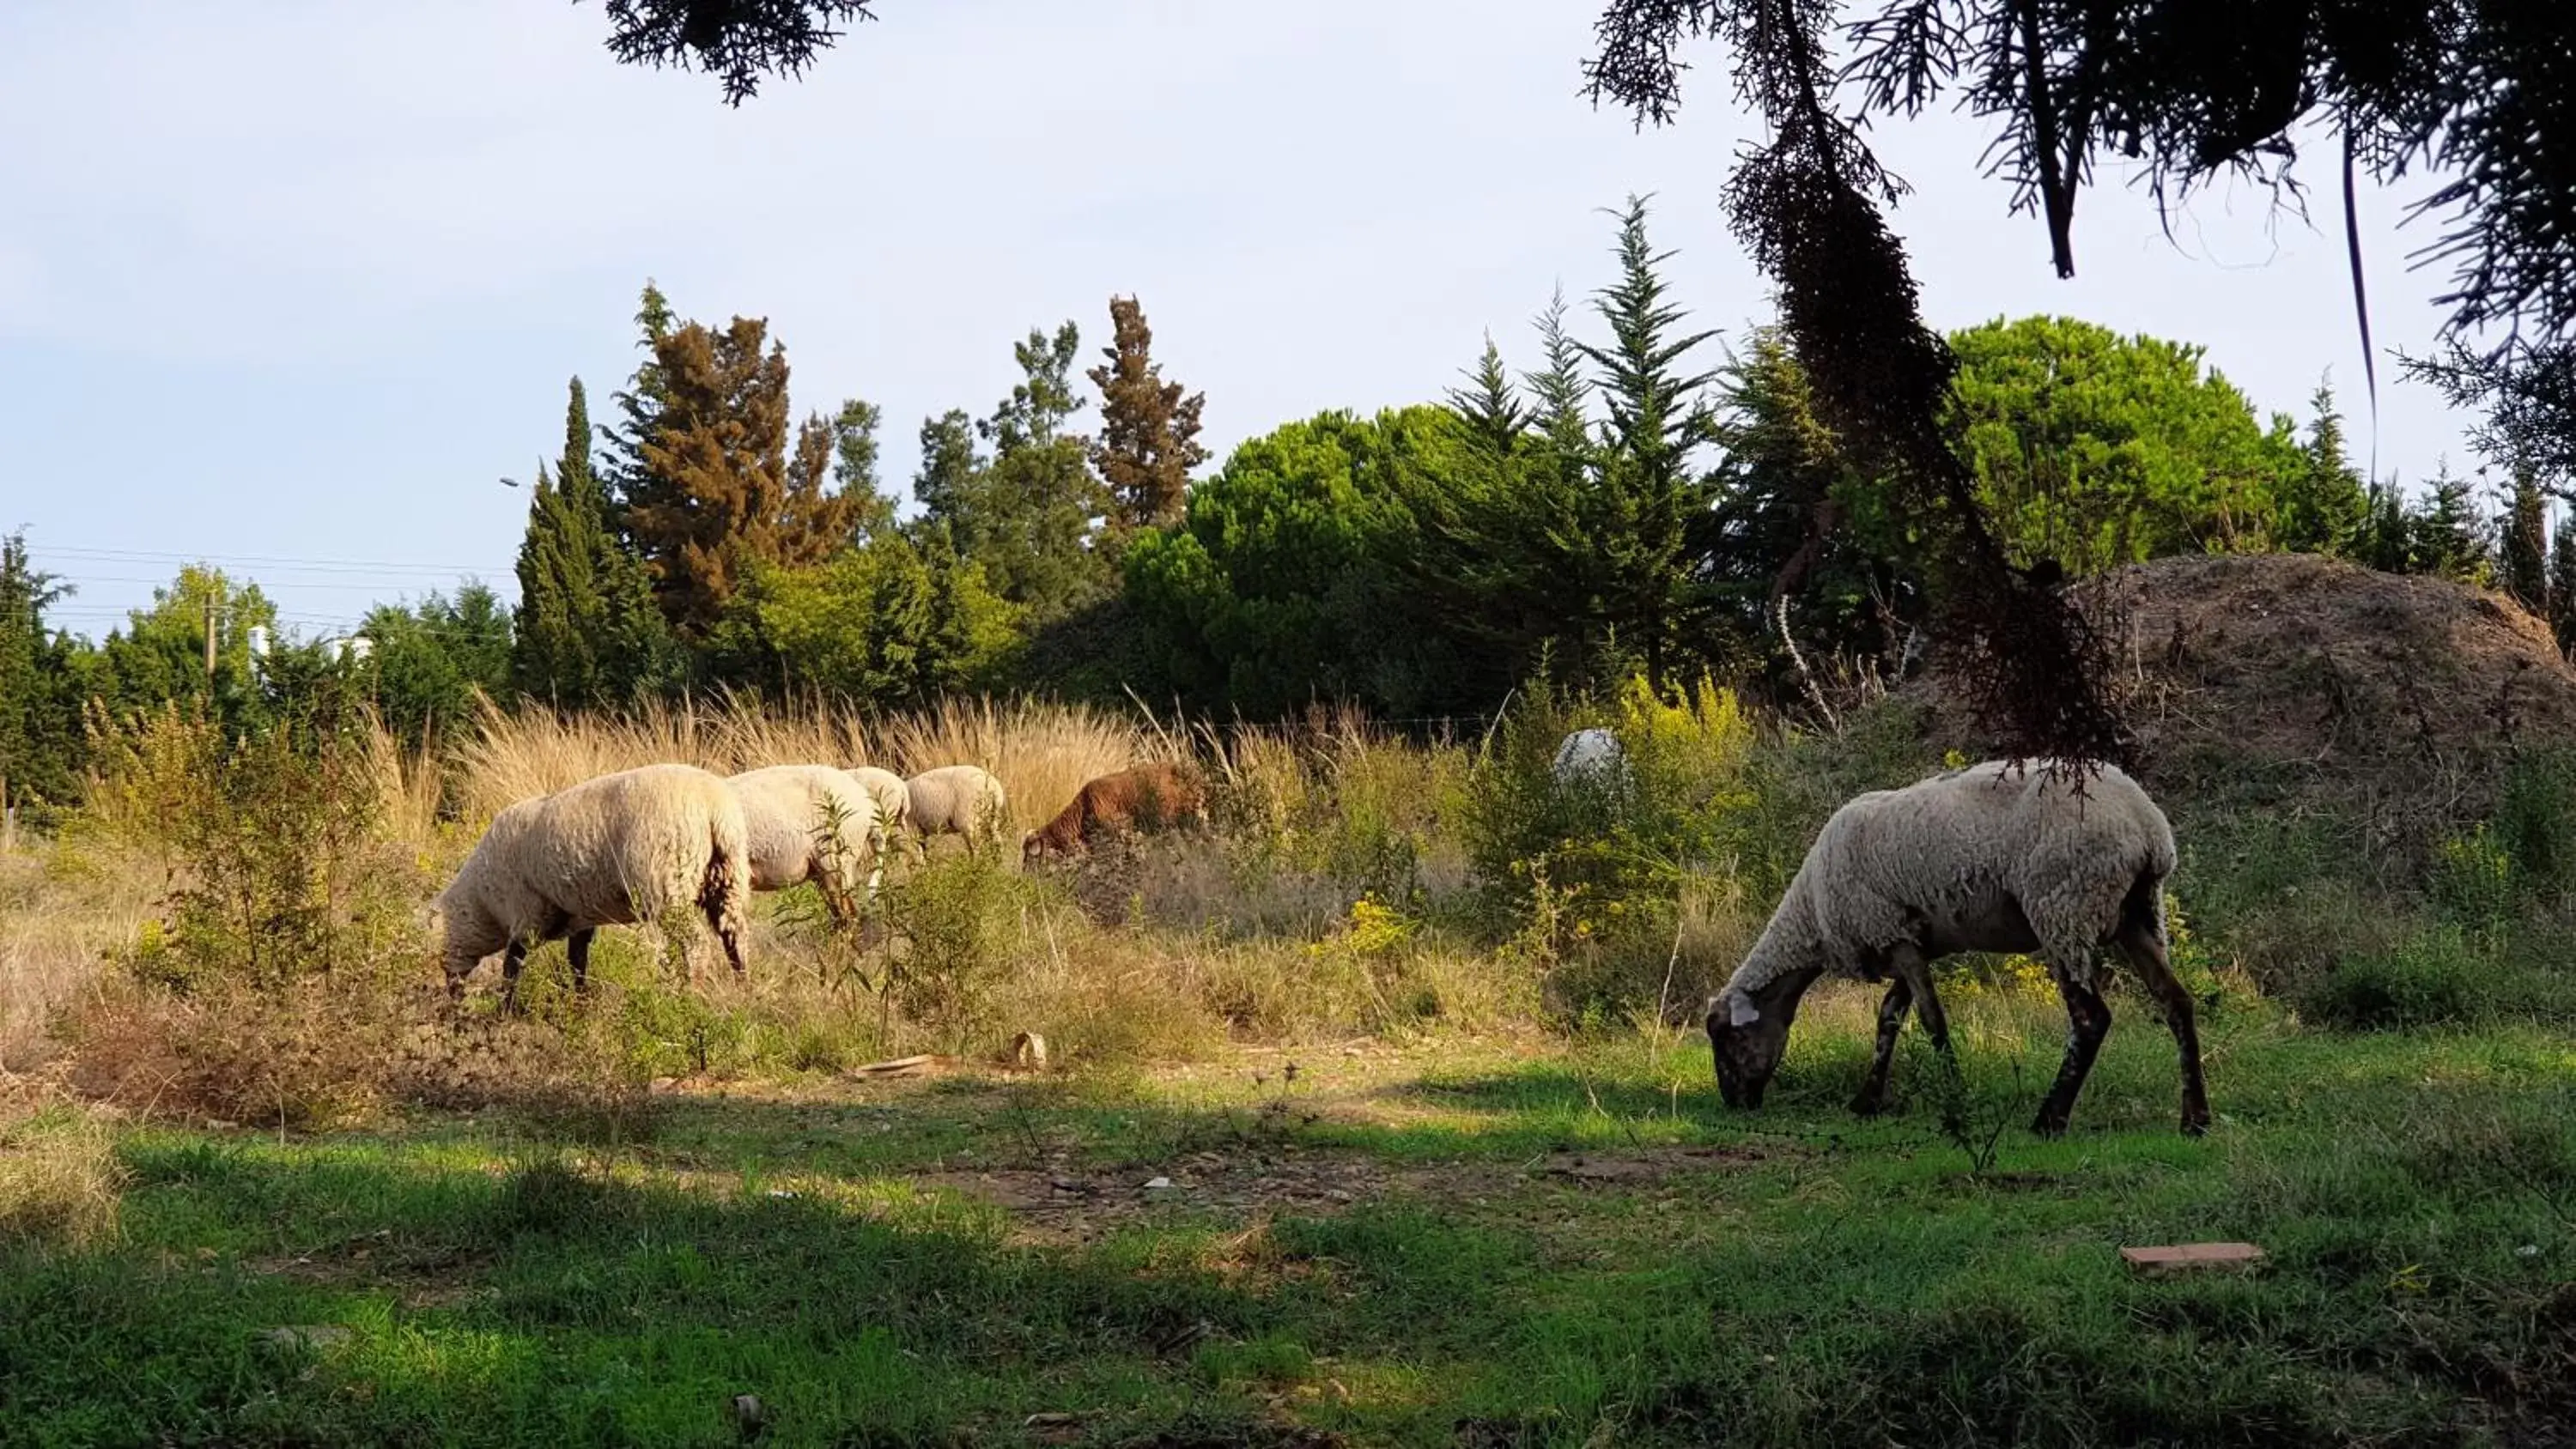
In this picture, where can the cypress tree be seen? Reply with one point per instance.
(587, 633)
(40, 732)
(1148, 430)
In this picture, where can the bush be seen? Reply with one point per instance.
(2435, 977)
(286, 865)
(1586, 876)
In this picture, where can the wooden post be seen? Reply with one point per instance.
(210, 638)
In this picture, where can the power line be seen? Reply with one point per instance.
(136, 555)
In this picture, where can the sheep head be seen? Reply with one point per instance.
(1746, 1036)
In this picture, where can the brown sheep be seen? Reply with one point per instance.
(1141, 797)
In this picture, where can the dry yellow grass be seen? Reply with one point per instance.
(62, 913)
(59, 1177)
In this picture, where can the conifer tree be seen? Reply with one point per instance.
(1649, 498)
(715, 484)
(2522, 545)
(1494, 413)
(1148, 441)
(2325, 507)
(855, 470)
(2444, 531)
(640, 406)
(587, 632)
(40, 727)
(1031, 513)
(2562, 583)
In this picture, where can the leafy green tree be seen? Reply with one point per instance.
(1148, 444)
(1031, 513)
(587, 632)
(2522, 545)
(40, 724)
(2093, 449)
(432, 660)
(1280, 589)
(886, 625)
(2324, 506)
(717, 486)
(159, 656)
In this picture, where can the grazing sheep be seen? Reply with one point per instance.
(894, 802)
(1590, 756)
(1143, 797)
(957, 800)
(612, 851)
(785, 808)
(1993, 857)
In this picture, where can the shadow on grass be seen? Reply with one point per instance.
(516, 1295)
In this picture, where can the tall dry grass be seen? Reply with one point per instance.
(1042, 752)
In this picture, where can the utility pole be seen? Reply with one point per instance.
(210, 639)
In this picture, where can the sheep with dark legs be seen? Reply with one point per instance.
(616, 850)
(1995, 857)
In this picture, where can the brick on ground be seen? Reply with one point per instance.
(2191, 1257)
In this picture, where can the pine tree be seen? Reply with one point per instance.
(2443, 533)
(1148, 441)
(2522, 545)
(2325, 508)
(587, 632)
(2562, 583)
(1649, 500)
(715, 484)
(1494, 413)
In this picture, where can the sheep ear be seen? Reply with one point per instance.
(1740, 1010)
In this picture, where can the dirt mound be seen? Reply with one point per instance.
(2322, 669)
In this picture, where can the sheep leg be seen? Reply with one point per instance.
(1916, 974)
(577, 949)
(2144, 948)
(2088, 1020)
(1891, 1020)
(513, 956)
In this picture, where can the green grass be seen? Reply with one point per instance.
(1382, 1249)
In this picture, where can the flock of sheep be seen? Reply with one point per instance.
(2037, 857)
(627, 847)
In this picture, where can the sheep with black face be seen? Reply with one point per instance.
(2040, 858)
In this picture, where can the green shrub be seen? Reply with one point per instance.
(2436, 976)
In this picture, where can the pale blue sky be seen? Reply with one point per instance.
(302, 280)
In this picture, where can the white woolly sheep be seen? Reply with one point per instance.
(957, 800)
(1590, 756)
(787, 809)
(894, 802)
(612, 851)
(1994, 857)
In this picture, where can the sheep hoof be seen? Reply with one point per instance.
(1868, 1105)
(2195, 1124)
(2048, 1125)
